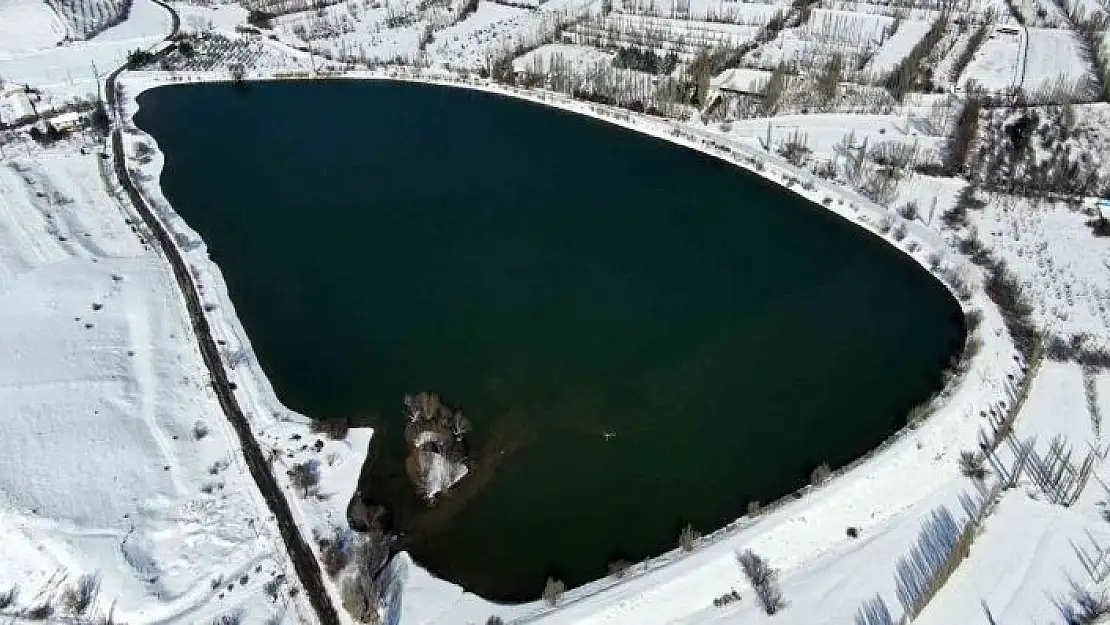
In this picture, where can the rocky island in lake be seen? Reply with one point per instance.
(436, 437)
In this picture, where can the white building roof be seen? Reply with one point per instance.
(742, 80)
(15, 106)
(65, 119)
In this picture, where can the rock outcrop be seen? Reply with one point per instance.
(436, 437)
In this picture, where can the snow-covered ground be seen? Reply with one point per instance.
(115, 461)
(28, 53)
(1065, 269)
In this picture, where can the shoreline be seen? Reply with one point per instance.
(259, 398)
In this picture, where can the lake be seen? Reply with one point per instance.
(643, 336)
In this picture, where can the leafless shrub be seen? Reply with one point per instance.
(884, 224)
(820, 475)
(361, 599)
(753, 508)
(973, 44)
(619, 568)
(919, 413)
(764, 581)
(8, 597)
(40, 612)
(973, 318)
(305, 475)
(971, 465)
(200, 430)
(143, 152)
(909, 211)
(955, 279)
(933, 261)
(1087, 607)
(553, 591)
(231, 618)
(495, 620)
(899, 231)
(77, 599)
(795, 148)
(688, 538)
(335, 551)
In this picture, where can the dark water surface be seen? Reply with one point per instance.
(556, 278)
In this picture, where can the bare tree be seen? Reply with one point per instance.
(305, 475)
(764, 581)
(553, 591)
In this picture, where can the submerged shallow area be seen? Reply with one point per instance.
(642, 335)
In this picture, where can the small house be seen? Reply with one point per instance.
(66, 122)
(740, 81)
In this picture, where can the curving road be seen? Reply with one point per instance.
(304, 561)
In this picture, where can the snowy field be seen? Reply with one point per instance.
(997, 65)
(70, 70)
(1050, 246)
(545, 57)
(116, 462)
(28, 26)
(896, 47)
(1055, 59)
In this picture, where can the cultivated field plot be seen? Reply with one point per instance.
(28, 25)
(491, 30)
(219, 52)
(1064, 269)
(1041, 13)
(86, 18)
(574, 58)
(663, 35)
(997, 65)
(1084, 9)
(731, 11)
(1055, 61)
(67, 71)
(826, 134)
(855, 37)
(896, 47)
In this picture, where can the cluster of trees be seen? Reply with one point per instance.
(645, 60)
(87, 18)
(666, 96)
(1034, 151)
(139, 58)
(260, 19)
(915, 72)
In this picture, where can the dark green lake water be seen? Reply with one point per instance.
(555, 278)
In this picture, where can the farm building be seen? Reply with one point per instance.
(66, 122)
(739, 81)
(16, 107)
